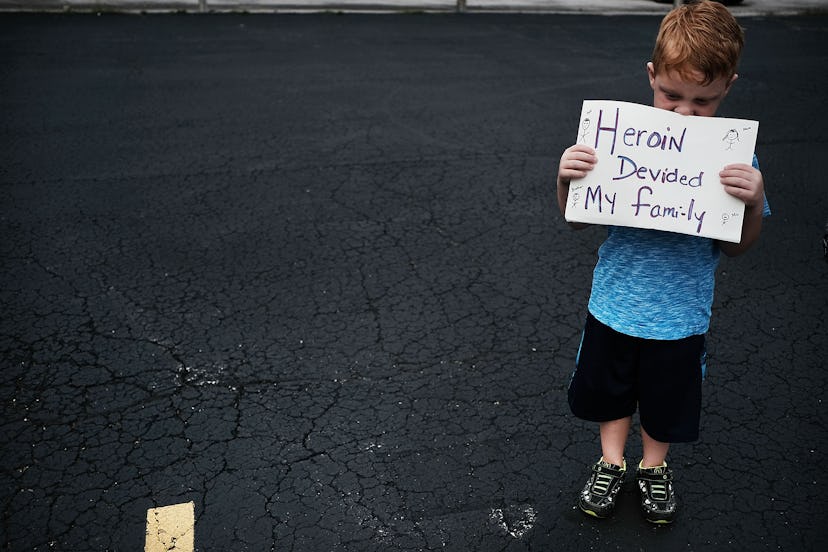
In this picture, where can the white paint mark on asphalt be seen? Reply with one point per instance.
(171, 528)
(515, 521)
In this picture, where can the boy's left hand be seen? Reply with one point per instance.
(744, 182)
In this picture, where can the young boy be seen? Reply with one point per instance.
(643, 342)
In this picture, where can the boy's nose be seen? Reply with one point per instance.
(683, 110)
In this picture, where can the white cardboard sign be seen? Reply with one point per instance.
(658, 169)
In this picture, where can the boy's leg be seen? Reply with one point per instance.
(597, 498)
(603, 390)
(655, 481)
(670, 405)
(655, 452)
(614, 438)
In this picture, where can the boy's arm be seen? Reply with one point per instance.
(575, 163)
(746, 183)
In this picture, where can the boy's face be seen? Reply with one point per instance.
(687, 97)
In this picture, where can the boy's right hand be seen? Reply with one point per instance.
(575, 163)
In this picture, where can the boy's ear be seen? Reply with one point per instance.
(730, 83)
(651, 74)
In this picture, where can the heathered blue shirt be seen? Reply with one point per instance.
(655, 284)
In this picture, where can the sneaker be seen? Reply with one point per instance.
(598, 496)
(657, 498)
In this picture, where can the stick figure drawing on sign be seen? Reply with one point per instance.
(731, 138)
(585, 127)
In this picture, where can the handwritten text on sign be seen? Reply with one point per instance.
(658, 169)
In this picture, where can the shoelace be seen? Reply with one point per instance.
(602, 483)
(658, 491)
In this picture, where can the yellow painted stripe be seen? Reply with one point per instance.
(171, 528)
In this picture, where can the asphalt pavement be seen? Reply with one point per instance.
(308, 272)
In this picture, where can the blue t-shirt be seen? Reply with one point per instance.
(655, 284)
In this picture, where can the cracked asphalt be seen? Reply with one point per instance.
(307, 271)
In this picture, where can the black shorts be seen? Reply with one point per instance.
(615, 374)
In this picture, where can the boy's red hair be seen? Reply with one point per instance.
(699, 37)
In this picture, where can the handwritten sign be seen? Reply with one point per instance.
(658, 169)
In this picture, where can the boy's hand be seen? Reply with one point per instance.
(744, 182)
(576, 162)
